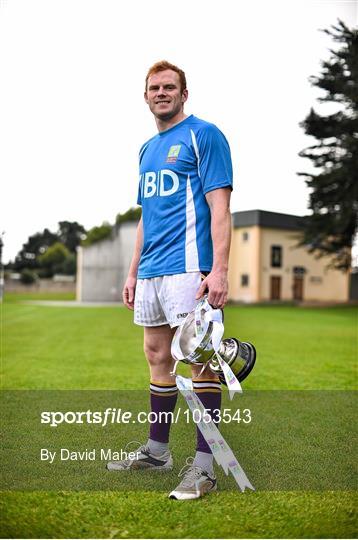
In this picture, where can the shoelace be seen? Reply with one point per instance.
(190, 472)
(139, 448)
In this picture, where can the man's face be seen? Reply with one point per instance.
(164, 96)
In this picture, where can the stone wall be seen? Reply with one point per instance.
(40, 286)
(102, 267)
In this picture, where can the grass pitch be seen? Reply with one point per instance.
(100, 348)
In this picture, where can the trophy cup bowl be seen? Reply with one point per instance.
(239, 355)
(189, 347)
(193, 344)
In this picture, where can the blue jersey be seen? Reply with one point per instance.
(177, 168)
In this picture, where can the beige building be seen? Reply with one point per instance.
(266, 264)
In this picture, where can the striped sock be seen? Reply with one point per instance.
(163, 398)
(209, 393)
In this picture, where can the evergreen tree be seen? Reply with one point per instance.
(331, 228)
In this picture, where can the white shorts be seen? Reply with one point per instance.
(165, 299)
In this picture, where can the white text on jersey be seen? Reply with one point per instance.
(163, 184)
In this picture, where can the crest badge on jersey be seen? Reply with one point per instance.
(173, 153)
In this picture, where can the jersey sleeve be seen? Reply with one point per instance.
(214, 159)
(139, 197)
(141, 152)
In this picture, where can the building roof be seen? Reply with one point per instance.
(272, 220)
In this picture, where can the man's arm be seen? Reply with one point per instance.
(216, 282)
(131, 281)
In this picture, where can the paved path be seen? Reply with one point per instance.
(70, 303)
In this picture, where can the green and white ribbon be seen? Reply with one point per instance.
(215, 317)
(221, 451)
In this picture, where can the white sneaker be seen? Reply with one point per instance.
(143, 460)
(195, 483)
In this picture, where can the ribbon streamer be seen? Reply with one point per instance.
(215, 316)
(221, 451)
(232, 382)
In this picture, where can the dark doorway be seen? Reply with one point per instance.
(275, 287)
(298, 287)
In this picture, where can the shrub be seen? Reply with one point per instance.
(97, 233)
(68, 267)
(27, 276)
(133, 214)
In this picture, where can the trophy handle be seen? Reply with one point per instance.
(239, 355)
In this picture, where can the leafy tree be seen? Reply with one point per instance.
(97, 233)
(51, 262)
(69, 265)
(35, 246)
(71, 233)
(331, 228)
(133, 214)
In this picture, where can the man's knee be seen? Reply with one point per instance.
(156, 354)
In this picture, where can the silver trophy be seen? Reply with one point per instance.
(198, 340)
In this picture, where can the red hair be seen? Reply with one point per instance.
(162, 66)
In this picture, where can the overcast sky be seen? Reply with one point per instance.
(72, 115)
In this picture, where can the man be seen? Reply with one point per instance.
(181, 252)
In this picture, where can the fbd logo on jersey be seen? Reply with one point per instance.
(162, 184)
(173, 153)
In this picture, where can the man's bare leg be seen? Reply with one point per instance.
(155, 454)
(208, 388)
(157, 344)
(163, 390)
